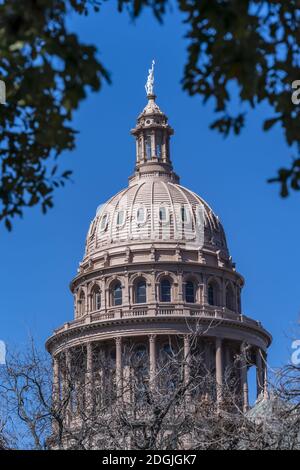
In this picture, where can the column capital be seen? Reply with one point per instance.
(152, 337)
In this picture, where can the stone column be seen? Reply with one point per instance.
(55, 391)
(125, 290)
(265, 376)
(259, 374)
(119, 367)
(89, 377)
(219, 368)
(151, 289)
(144, 157)
(244, 380)
(66, 379)
(56, 384)
(187, 362)
(164, 148)
(152, 359)
(205, 290)
(102, 290)
(137, 151)
(153, 149)
(107, 299)
(181, 288)
(86, 301)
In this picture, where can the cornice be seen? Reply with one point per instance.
(79, 331)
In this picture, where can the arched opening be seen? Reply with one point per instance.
(163, 214)
(213, 293)
(81, 304)
(140, 292)
(140, 371)
(230, 298)
(158, 143)
(148, 146)
(117, 294)
(190, 292)
(165, 290)
(96, 298)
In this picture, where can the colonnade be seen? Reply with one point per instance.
(218, 363)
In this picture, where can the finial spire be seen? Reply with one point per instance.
(149, 87)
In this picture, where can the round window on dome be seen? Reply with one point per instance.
(103, 224)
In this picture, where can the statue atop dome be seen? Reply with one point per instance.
(149, 87)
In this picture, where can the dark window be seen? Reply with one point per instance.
(229, 298)
(162, 214)
(96, 299)
(167, 349)
(148, 146)
(211, 295)
(140, 351)
(117, 294)
(141, 292)
(183, 213)
(158, 143)
(190, 292)
(165, 291)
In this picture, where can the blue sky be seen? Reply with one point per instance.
(41, 255)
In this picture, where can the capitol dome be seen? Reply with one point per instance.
(156, 268)
(155, 209)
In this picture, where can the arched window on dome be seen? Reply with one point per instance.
(117, 294)
(184, 214)
(103, 223)
(165, 290)
(163, 214)
(81, 304)
(95, 298)
(229, 297)
(190, 292)
(141, 215)
(120, 217)
(140, 292)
